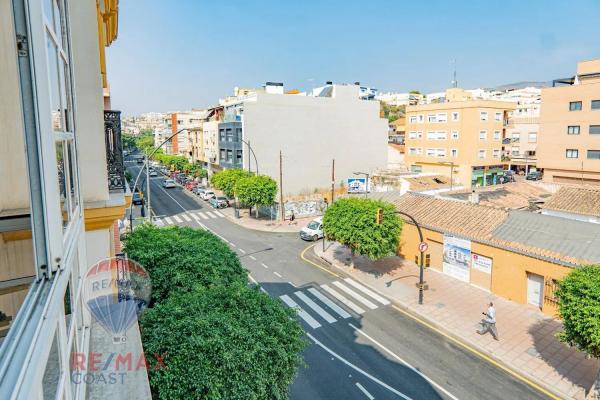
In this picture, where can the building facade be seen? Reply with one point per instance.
(460, 137)
(569, 143)
(230, 144)
(520, 143)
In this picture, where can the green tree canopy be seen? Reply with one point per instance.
(256, 191)
(351, 222)
(127, 141)
(179, 258)
(222, 343)
(579, 306)
(226, 180)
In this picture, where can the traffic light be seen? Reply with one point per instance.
(379, 216)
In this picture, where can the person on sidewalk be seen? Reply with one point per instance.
(292, 218)
(489, 322)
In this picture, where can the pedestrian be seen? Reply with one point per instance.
(489, 322)
(292, 217)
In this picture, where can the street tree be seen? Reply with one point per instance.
(178, 258)
(222, 342)
(352, 222)
(226, 180)
(579, 306)
(256, 191)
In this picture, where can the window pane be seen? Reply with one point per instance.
(573, 130)
(54, 80)
(595, 104)
(52, 371)
(594, 129)
(73, 187)
(575, 106)
(65, 98)
(62, 188)
(593, 154)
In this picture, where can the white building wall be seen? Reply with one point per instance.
(310, 132)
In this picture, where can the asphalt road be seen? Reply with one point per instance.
(361, 347)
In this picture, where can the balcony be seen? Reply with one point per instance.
(114, 151)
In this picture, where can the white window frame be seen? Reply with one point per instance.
(479, 154)
(498, 116)
(454, 135)
(442, 117)
(420, 118)
(455, 116)
(496, 153)
(454, 153)
(529, 137)
(572, 152)
(412, 119)
(432, 118)
(483, 135)
(497, 135)
(483, 115)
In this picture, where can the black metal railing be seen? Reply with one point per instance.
(114, 150)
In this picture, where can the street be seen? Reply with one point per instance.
(361, 346)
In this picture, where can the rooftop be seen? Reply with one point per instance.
(583, 200)
(513, 195)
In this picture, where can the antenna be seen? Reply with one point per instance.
(454, 81)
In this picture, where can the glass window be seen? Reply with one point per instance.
(496, 153)
(482, 135)
(498, 116)
(483, 115)
(442, 117)
(593, 154)
(413, 119)
(515, 151)
(572, 153)
(594, 129)
(595, 104)
(573, 130)
(431, 118)
(455, 116)
(238, 156)
(575, 106)
(454, 153)
(496, 135)
(532, 137)
(455, 135)
(416, 168)
(52, 371)
(223, 154)
(481, 154)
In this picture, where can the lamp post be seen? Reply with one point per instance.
(254, 155)
(367, 183)
(145, 167)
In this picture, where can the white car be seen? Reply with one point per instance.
(153, 173)
(313, 231)
(207, 195)
(169, 183)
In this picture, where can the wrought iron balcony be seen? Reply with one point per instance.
(114, 150)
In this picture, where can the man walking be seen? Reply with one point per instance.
(489, 322)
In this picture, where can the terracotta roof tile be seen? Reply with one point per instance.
(576, 199)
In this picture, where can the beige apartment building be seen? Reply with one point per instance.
(520, 143)
(196, 141)
(569, 143)
(460, 138)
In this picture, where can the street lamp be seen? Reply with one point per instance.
(254, 155)
(367, 184)
(145, 166)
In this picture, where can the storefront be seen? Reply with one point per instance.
(486, 175)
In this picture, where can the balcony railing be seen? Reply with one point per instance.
(114, 151)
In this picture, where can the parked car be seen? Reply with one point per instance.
(313, 231)
(169, 183)
(208, 194)
(534, 176)
(219, 202)
(153, 173)
(199, 191)
(190, 185)
(137, 199)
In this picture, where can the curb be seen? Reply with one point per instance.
(473, 348)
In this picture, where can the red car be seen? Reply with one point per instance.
(191, 185)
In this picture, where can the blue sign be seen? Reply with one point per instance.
(357, 185)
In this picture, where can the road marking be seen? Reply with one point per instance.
(184, 216)
(232, 244)
(313, 323)
(210, 214)
(168, 220)
(339, 310)
(252, 258)
(291, 284)
(343, 300)
(176, 218)
(264, 265)
(167, 193)
(362, 389)
(368, 291)
(354, 367)
(422, 375)
(242, 250)
(315, 264)
(355, 295)
(202, 215)
(159, 222)
(218, 213)
(316, 308)
(277, 274)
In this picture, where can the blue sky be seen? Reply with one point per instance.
(178, 54)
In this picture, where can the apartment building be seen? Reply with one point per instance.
(177, 122)
(63, 191)
(309, 131)
(399, 99)
(520, 143)
(460, 138)
(569, 139)
(196, 140)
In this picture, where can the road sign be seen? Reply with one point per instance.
(423, 247)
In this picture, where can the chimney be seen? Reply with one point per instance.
(474, 197)
(274, 87)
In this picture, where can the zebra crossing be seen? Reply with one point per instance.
(195, 216)
(321, 308)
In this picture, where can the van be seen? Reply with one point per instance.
(313, 231)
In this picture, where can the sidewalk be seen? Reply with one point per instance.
(527, 337)
(266, 225)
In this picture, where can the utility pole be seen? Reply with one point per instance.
(148, 190)
(332, 179)
(281, 207)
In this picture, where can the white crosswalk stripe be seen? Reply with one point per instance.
(197, 218)
(317, 308)
(168, 220)
(357, 296)
(219, 213)
(367, 291)
(343, 300)
(210, 214)
(339, 310)
(313, 323)
(202, 215)
(176, 218)
(159, 222)
(184, 216)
